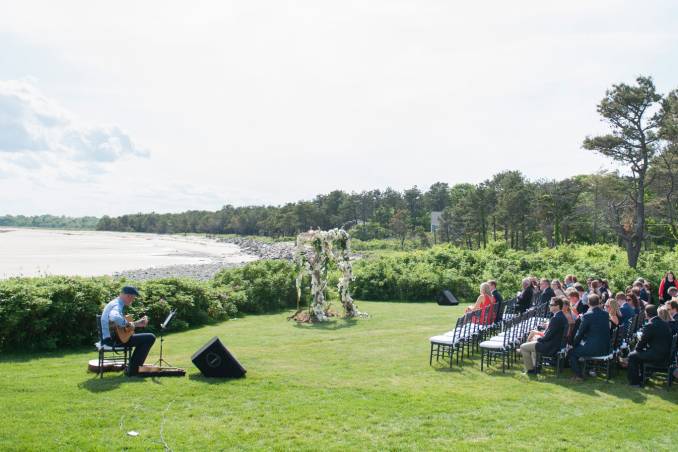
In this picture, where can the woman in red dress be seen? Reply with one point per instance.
(485, 303)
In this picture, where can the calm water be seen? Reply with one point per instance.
(32, 252)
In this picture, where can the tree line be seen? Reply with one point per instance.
(49, 221)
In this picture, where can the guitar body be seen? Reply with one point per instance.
(122, 334)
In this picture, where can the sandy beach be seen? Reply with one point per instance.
(36, 252)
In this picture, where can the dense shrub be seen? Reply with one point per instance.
(261, 286)
(57, 311)
(420, 275)
(45, 313)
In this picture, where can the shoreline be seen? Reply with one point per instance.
(35, 252)
(203, 272)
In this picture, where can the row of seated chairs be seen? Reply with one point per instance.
(515, 331)
(498, 331)
(470, 329)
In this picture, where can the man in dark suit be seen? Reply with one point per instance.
(497, 298)
(654, 346)
(550, 342)
(495, 293)
(546, 292)
(524, 298)
(593, 335)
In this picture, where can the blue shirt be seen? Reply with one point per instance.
(627, 313)
(113, 312)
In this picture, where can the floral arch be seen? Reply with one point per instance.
(314, 251)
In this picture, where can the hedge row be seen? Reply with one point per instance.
(57, 311)
(420, 275)
(51, 312)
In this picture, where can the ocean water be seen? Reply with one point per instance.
(35, 252)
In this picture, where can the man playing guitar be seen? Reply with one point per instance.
(113, 316)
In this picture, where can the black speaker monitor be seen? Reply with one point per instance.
(447, 299)
(214, 360)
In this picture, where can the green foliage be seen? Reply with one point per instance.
(57, 311)
(46, 313)
(261, 286)
(49, 221)
(420, 275)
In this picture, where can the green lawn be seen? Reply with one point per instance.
(343, 386)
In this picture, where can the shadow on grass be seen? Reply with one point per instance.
(109, 383)
(23, 357)
(338, 324)
(200, 378)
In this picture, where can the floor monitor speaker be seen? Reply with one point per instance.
(447, 299)
(214, 360)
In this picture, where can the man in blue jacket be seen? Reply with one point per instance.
(593, 335)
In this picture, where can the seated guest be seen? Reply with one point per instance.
(575, 301)
(550, 342)
(626, 309)
(612, 308)
(592, 337)
(635, 302)
(583, 294)
(113, 314)
(673, 293)
(569, 281)
(495, 293)
(653, 347)
(673, 308)
(664, 313)
(524, 298)
(535, 290)
(642, 293)
(484, 304)
(557, 288)
(571, 317)
(546, 291)
(604, 291)
(650, 297)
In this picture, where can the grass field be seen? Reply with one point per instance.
(344, 385)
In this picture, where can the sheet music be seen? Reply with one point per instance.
(164, 324)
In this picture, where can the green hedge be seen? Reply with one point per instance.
(262, 286)
(420, 275)
(56, 311)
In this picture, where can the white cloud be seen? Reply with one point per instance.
(36, 132)
(269, 102)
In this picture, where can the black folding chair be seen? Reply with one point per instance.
(604, 363)
(664, 369)
(111, 352)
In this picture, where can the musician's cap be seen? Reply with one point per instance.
(129, 290)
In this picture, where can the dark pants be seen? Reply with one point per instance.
(142, 343)
(582, 351)
(635, 369)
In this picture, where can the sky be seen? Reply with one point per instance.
(119, 107)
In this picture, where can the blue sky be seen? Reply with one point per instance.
(166, 106)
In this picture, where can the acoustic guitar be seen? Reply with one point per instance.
(123, 333)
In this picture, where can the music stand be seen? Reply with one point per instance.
(163, 326)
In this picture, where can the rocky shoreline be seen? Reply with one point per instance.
(263, 250)
(203, 272)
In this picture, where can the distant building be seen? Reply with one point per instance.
(435, 221)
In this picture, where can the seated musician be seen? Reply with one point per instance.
(113, 316)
